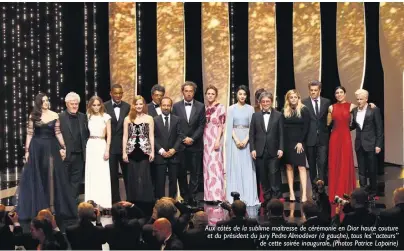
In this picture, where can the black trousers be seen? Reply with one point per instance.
(317, 157)
(114, 161)
(269, 175)
(160, 170)
(367, 166)
(192, 162)
(75, 167)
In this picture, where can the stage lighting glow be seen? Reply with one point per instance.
(95, 47)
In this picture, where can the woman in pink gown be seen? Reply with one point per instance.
(213, 169)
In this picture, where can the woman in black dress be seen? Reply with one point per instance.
(45, 180)
(138, 151)
(296, 123)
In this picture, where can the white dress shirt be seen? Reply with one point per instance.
(158, 109)
(161, 151)
(314, 104)
(360, 116)
(188, 109)
(266, 120)
(117, 110)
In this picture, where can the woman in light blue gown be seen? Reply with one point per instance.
(240, 169)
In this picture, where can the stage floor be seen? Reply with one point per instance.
(393, 177)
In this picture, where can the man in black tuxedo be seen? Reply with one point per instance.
(318, 135)
(266, 145)
(118, 110)
(193, 120)
(168, 138)
(369, 139)
(74, 129)
(157, 93)
(162, 230)
(154, 109)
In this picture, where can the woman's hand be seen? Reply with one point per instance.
(26, 157)
(125, 157)
(106, 155)
(151, 157)
(62, 154)
(216, 146)
(299, 148)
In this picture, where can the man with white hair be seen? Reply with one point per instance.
(73, 126)
(369, 140)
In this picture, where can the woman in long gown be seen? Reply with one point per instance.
(138, 151)
(213, 170)
(240, 169)
(97, 172)
(341, 173)
(44, 181)
(296, 123)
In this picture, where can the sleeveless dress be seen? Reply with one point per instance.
(45, 181)
(138, 148)
(213, 169)
(341, 178)
(97, 173)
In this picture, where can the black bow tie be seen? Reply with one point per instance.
(186, 103)
(264, 112)
(156, 106)
(117, 105)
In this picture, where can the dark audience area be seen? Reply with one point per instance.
(173, 225)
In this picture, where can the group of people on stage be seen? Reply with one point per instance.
(243, 147)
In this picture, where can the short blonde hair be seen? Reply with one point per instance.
(72, 96)
(362, 92)
(85, 210)
(398, 195)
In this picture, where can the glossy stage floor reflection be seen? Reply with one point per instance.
(393, 177)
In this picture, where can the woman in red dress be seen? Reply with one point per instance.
(341, 172)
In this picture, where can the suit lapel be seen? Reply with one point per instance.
(182, 109)
(270, 121)
(323, 107)
(367, 115)
(68, 122)
(193, 111)
(81, 122)
(121, 116)
(170, 125)
(309, 104)
(111, 110)
(262, 121)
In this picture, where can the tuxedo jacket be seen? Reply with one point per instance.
(151, 110)
(318, 124)
(85, 236)
(66, 130)
(167, 140)
(371, 134)
(272, 138)
(194, 128)
(116, 125)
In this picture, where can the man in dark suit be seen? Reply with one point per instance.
(154, 109)
(318, 135)
(164, 235)
(118, 110)
(74, 129)
(157, 93)
(168, 138)
(368, 141)
(84, 235)
(394, 217)
(266, 145)
(238, 218)
(193, 120)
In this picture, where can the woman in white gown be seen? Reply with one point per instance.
(97, 173)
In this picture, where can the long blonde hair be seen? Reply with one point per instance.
(90, 111)
(132, 113)
(287, 109)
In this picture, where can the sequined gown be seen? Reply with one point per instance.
(138, 148)
(44, 181)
